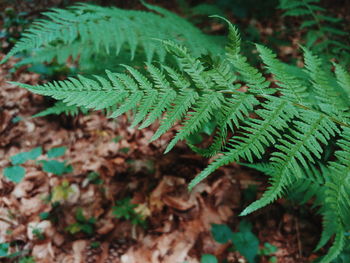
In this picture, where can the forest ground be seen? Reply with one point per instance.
(178, 221)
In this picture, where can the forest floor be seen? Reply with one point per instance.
(175, 223)
(178, 221)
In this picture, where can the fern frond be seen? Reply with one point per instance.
(254, 79)
(234, 110)
(291, 87)
(207, 105)
(182, 104)
(89, 30)
(322, 29)
(291, 123)
(336, 248)
(59, 108)
(258, 135)
(192, 66)
(278, 183)
(303, 143)
(343, 78)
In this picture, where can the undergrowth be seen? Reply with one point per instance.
(290, 123)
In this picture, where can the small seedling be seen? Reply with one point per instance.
(124, 150)
(244, 241)
(95, 244)
(44, 215)
(55, 212)
(16, 172)
(26, 260)
(82, 224)
(94, 178)
(117, 139)
(124, 209)
(38, 233)
(269, 250)
(61, 191)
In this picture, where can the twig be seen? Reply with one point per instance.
(7, 221)
(298, 237)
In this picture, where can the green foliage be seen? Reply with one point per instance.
(244, 241)
(208, 258)
(4, 248)
(323, 31)
(13, 24)
(44, 215)
(297, 121)
(82, 224)
(60, 107)
(26, 260)
(5, 255)
(95, 244)
(61, 192)
(56, 167)
(92, 33)
(14, 173)
(56, 152)
(94, 178)
(221, 233)
(268, 249)
(38, 233)
(126, 210)
(23, 157)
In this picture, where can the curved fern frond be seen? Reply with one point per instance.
(85, 30)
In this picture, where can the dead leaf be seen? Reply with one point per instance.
(42, 252)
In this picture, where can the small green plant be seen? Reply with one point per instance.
(6, 255)
(95, 178)
(82, 224)
(61, 191)
(27, 260)
(38, 233)
(124, 209)
(4, 248)
(56, 209)
(95, 244)
(267, 251)
(116, 139)
(16, 172)
(13, 25)
(208, 258)
(56, 167)
(244, 241)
